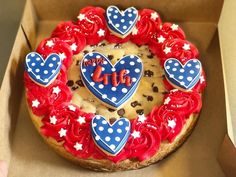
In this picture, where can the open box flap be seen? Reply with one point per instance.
(227, 29)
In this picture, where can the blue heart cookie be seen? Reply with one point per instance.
(100, 76)
(184, 76)
(110, 138)
(41, 71)
(121, 22)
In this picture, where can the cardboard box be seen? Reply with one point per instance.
(23, 148)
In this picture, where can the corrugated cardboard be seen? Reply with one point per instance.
(29, 156)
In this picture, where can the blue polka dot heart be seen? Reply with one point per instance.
(41, 71)
(119, 22)
(184, 76)
(110, 138)
(111, 84)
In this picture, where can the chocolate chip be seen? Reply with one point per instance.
(165, 92)
(70, 83)
(138, 45)
(112, 120)
(77, 62)
(148, 73)
(155, 89)
(74, 88)
(85, 52)
(111, 110)
(80, 83)
(110, 57)
(140, 111)
(117, 46)
(150, 56)
(149, 98)
(135, 103)
(102, 44)
(121, 112)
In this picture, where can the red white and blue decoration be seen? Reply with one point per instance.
(112, 84)
(110, 138)
(42, 71)
(184, 76)
(121, 22)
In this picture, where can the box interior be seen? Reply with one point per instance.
(30, 156)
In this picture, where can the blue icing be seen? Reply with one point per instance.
(110, 138)
(42, 71)
(114, 96)
(184, 76)
(121, 22)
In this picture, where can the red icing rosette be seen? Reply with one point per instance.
(169, 122)
(180, 49)
(69, 33)
(55, 45)
(147, 144)
(148, 23)
(167, 31)
(91, 22)
(47, 97)
(115, 39)
(185, 103)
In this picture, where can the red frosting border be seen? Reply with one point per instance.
(157, 125)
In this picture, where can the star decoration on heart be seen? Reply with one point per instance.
(154, 16)
(141, 118)
(135, 134)
(174, 27)
(53, 120)
(35, 103)
(73, 47)
(50, 43)
(62, 132)
(161, 39)
(101, 32)
(62, 56)
(186, 47)
(167, 50)
(171, 124)
(56, 90)
(78, 146)
(81, 17)
(72, 108)
(202, 79)
(81, 120)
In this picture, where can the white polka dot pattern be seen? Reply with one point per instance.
(111, 138)
(184, 76)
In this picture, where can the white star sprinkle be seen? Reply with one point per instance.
(135, 31)
(78, 146)
(154, 15)
(141, 118)
(81, 17)
(167, 50)
(62, 132)
(167, 100)
(72, 108)
(62, 56)
(174, 27)
(171, 123)
(101, 32)
(73, 47)
(186, 47)
(53, 120)
(161, 39)
(50, 43)
(202, 79)
(135, 134)
(81, 120)
(35, 103)
(56, 90)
